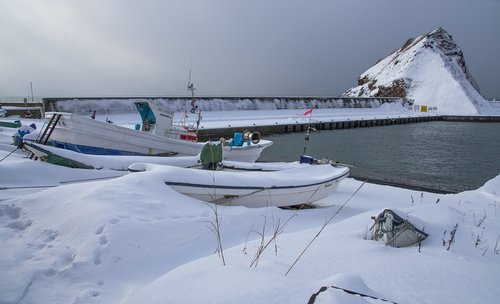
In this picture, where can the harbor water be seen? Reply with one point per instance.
(448, 156)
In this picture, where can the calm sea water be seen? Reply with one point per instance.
(443, 155)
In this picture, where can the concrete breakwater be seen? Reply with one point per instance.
(85, 105)
(466, 118)
(206, 134)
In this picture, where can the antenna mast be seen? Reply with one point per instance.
(191, 88)
(309, 128)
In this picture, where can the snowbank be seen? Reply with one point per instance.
(134, 239)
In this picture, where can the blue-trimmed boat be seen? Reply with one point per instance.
(155, 136)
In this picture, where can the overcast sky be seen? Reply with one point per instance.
(244, 48)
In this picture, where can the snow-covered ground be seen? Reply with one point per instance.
(82, 236)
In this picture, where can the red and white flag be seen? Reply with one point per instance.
(308, 112)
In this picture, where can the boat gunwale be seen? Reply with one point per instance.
(204, 186)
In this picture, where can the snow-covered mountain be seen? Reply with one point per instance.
(431, 70)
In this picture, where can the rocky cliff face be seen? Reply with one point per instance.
(431, 70)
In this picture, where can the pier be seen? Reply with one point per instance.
(465, 118)
(206, 134)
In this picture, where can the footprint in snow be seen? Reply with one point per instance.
(102, 240)
(99, 230)
(97, 257)
(19, 225)
(10, 211)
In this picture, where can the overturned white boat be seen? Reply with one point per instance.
(293, 184)
(156, 136)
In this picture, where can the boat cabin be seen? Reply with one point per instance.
(158, 120)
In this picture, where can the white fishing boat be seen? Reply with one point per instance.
(277, 185)
(155, 136)
(72, 159)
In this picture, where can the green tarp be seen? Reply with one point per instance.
(211, 155)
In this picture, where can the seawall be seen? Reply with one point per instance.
(85, 105)
(206, 134)
(465, 118)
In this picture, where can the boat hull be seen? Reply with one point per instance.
(301, 184)
(73, 159)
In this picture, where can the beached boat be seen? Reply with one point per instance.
(155, 136)
(72, 159)
(293, 184)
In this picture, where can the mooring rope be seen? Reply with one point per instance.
(9, 154)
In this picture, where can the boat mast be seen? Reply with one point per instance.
(193, 100)
(192, 88)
